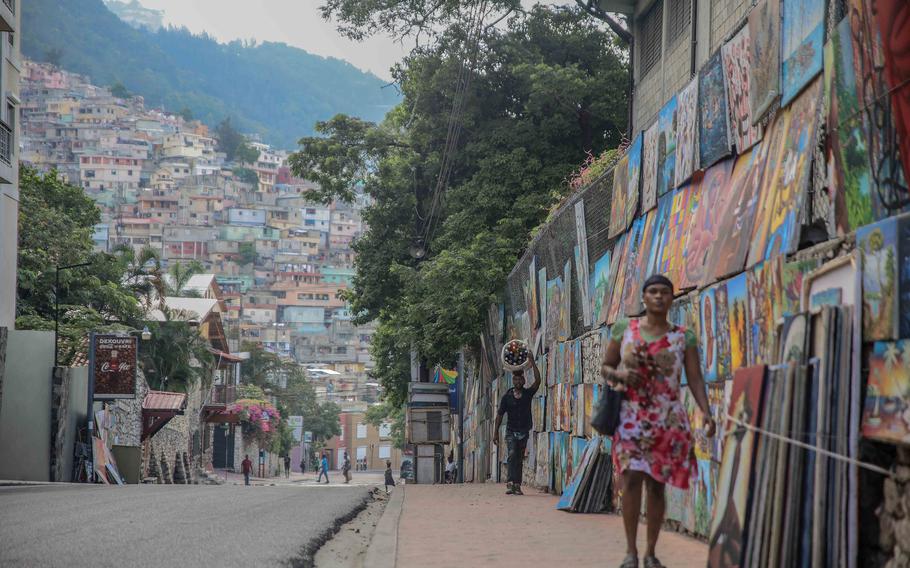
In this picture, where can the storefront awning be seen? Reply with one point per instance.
(158, 408)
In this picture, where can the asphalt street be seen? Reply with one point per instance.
(168, 525)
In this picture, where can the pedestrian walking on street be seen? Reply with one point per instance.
(517, 404)
(324, 469)
(644, 360)
(346, 468)
(246, 466)
(287, 466)
(389, 480)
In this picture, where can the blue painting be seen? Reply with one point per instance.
(708, 343)
(802, 45)
(666, 147)
(713, 123)
(600, 287)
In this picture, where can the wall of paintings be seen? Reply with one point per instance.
(803, 331)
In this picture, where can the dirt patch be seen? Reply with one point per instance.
(348, 547)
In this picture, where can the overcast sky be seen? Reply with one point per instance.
(295, 22)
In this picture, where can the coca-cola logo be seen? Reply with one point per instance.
(108, 368)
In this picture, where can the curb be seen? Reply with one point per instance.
(383, 549)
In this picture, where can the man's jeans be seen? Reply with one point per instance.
(321, 473)
(516, 442)
(246, 478)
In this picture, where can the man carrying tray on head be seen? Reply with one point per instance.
(517, 404)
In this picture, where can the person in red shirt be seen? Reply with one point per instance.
(246, 466)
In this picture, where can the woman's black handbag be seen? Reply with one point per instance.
(606, 416)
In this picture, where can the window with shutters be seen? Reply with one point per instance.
(650, 37)
(679, 16)
(385, 452)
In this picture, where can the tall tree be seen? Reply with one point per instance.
(450, 216)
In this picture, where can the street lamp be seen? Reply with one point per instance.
(57, 303)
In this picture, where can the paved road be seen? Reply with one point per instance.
(167, 525)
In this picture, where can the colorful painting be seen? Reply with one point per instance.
(713, 116)
(708, 341)
(649, 168)
(618, 271)
(582, 269)
(880, 132)
(635, 256)
(620, 194)
(542, 295)
(764, 76)
(658, 235)
(738, 312)
(786, 180)
(533, 305)
(588, 409)
(736, 214)
(710, 199)
(728, 523)
(666, 147)
(705, 483)
(542, 477)
(680, 507)
(565, 307)
(886, 415)
(763, 288)
(686, 132)
(737, 63)
(673, 250)
(802, 38)
(633, 180)
(554, 303)
(722, 332)
(878, 249)
(894, 29)
(601, 288)
(792, 275)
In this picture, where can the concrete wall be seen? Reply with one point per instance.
(25, 411)
(713, 23)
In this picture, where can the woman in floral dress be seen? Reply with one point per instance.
(652, 445)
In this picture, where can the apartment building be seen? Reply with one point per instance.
(9, 158)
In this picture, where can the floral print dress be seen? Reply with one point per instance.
(653, 434)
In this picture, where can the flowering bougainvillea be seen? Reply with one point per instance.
(258, 418)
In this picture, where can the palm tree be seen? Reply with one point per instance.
(177, 356)
(141, 274)
(179, 276)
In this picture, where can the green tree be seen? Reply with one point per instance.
(260, 366)
(451, 215)
(229, 138)
(247, 253)
(179, 276)
(246, 175)
(177, 357)
(246, 154)
(300, 399)
(186, 113)
(120, 91)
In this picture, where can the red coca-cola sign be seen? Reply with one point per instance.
(114, 366)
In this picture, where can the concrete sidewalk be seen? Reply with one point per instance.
(479, 525)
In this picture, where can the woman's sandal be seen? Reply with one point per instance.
(631, 561)
(653, 562)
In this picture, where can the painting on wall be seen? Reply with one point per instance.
(677, 233)
(722, 332)
(666, 147)
(565, 307)
(588, 409)
(728, 523)
(802, 39)
(633, 180)
(705, 483)
(600, 298)
(886, 415)
(713, 194)
(880, 129)
(894, 28)
(533, 307)
(686, 132)
(708, 339)
(878, 249)
(649, 167)
(764, 50)
(630, 291)
(737, 63)
(792, 275)
(618, 271)
(713, 128)
(582, 268)
(659, 234)
(542, 295)
(783, 189)
(554, 303)
(763, 289)
(620, 193)
(735, 214)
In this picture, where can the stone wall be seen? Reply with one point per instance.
(895, 513)
(127, 413)
(60, 385)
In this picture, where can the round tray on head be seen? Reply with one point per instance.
(513, 368)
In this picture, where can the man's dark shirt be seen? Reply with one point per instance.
(246, 466)
(518, 409)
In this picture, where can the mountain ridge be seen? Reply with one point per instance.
(269, 88)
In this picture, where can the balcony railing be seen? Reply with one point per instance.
(224, 394)
(6, 142)
(11, 4)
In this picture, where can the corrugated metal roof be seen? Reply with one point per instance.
(162, 400)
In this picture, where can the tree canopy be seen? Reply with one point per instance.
(449, 220)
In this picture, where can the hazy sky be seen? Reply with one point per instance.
(295, 22)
